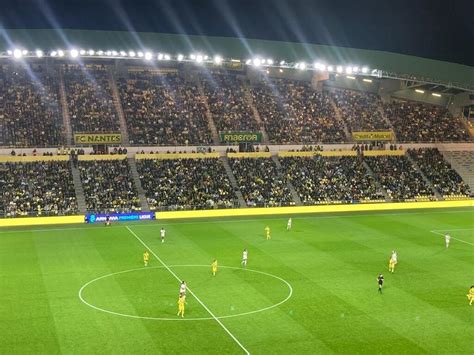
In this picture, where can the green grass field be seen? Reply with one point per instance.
(310, 290)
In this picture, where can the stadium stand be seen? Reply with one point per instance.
(184, 184)
(226, 98)
(360, 110)
(163, 109)
(89, 96)
(399, 178)
(417, 122)
(321, 179)
(108, 186)
(260, 183)
(37, 189)
(29, 107)
(293, 112)
(444, 178)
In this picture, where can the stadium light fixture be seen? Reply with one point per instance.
(419, 91)
(263, 61)
(235, 60)
(436, 94)
(257, 62)
(90, 52)
(114, 53)
(281, 70)
(9, 52)
(54, 54)
(100, 52)
(39, 53)
(248, 62)
(108, 53)
(270, 61)
(218, 60)
(339, 69)
(367, 80)
(180, 57)
(24, 52)
(60, 53)
(160, 56)
(148, 56)
(355, 69)
(302, 66)
(350, 77)
(167, 57)
(74, 53)
(330, 68)
(348, 70)
(132, 54)
(140, 54)
(193, 56)
(282, 62)
(123, 53)
(206, 57)
(365, 70)
(82, 52)
(199, 58)
(17, 53)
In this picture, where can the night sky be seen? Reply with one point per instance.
(435, 29)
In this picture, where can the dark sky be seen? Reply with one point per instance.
(433, 29)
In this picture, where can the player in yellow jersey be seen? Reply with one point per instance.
(470, 295)
(181, 303)
(214, 267)
(146, 257)
(267, 232)
(391, 265)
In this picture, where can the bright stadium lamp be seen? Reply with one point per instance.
(108, 53)
(160, 56)
(9, 52)
(257, 62)
(114, 53)
(206, 57)
(54, 54)
(90, 52)
(148, 56)
(199, 58)
(140, 54)
(100, 52)
(17, 53)
(263, 61)
(218, 59)
(193, 56)
(302, 66)
(180, 57)
(74, 53)
(365, 70)
(330, 68)
(348, 70)
(270, 61)
(355, 69)
(24, 52)
(248, 61)
(131, 54)
(39, 53)
(123, 53)
(82, 52)
(60, 53)
(339, 69)
(167, 57)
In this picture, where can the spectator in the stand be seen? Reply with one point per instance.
(89, 98)
(178, 184)
(261, 183)
(30, 115)
(108, 186)
(417, 122)
(37, 189)
(444, 178)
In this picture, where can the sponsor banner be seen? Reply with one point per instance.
(119, 217)
(241, 137)
(372, 136)
(97, 138)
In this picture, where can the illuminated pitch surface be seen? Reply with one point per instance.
(331, 263)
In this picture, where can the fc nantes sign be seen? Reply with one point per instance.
(241, 137)
(100, 138)
(372, 136)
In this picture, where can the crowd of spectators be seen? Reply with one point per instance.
(399, 178)
(108, 186)
(360, 110)
(89, 98)
(227, 102)
(443, 177)
(29, 107)
(260, 182)
(183, 184)
(417, 122)
(293, 112)
(321, 179)
(37, 189)
(163, 109)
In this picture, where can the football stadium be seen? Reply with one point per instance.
(175, 193)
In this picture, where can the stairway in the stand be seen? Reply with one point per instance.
(118, 107)
(256, 114)
(463, 163)
(380, 189)
(339, 118)
(294, 195)
(233, 181)
(81, 199)
(387, 120)
(210, 119)
(425, 179)
(64, 108)
(138, 184)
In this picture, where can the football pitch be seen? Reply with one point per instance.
(313, 289)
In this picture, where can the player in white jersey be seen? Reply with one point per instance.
(244, 257)
(182, 288)
(162, 234)
(394, 257)
(288, 225)
(447, 239)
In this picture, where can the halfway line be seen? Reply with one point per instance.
(191, 292)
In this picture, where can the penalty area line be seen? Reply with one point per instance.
(437, 232)
(190, 291)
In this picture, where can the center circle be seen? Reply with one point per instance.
(127, 315)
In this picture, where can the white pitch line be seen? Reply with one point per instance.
(448, 230)
(191, 292)
(218, 220)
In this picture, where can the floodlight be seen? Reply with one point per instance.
(257, 62)
(302, 66)
(348, 70)
(160, 56)
(108, 53)
(282, 62)
(140, 54)
(365, 70)
(148, 56)
(350, 77)
(54, 54)
(123, 53)
(367, 80)
(435, 94)
(100, 52)
(217, 59)
(114, 53)
(206, 57)
(355, 69)
(131, 54)
(180, 57)
(90, 52)
(39, 53)
(74, 53)
(330, 68)
(82, 52)
(9, 52)
(339, 69)
(263, 61)
(167, 57)
(420, 91)
(17, 53)
(281, 70)
(60, 53)
(24, 52)
(192, 56)
(270, 61)
(248, 62)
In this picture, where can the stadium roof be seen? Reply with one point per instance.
(449, 74)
